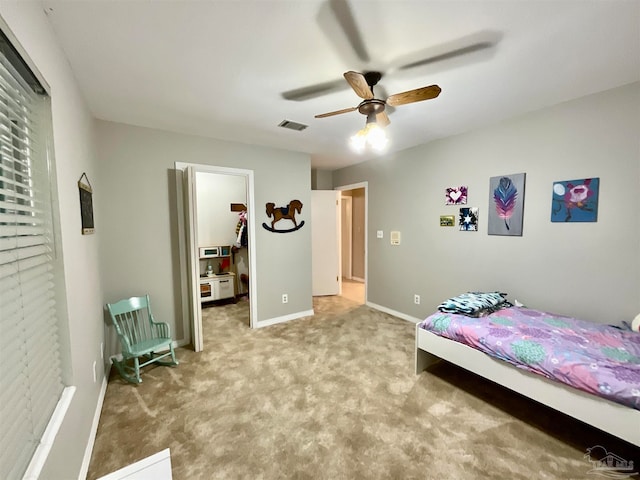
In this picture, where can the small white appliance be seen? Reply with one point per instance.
(209, 252)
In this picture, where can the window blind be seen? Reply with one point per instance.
(30, 377)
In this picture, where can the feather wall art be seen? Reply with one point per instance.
(506, 200)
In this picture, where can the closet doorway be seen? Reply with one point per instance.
(211, 196)
(353, 241)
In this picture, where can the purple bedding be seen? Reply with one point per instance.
(597, 359)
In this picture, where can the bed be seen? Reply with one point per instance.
(588, 371)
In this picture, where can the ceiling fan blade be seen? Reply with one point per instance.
(314, 91)
(447, 55)
(337, 112)
(344, 15)
(382, 119)
(359, 84)
(417, 95)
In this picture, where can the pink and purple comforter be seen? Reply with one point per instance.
(598, 359)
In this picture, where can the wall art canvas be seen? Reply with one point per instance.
(575, 200)
(469, 219)
(456, 195)
(506, 204)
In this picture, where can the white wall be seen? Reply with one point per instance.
(216, 222)
(75, 154)
(140, 252)
(321, 179)
(589, 270)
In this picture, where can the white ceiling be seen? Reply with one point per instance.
(220, 68)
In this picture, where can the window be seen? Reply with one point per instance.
(30, 380)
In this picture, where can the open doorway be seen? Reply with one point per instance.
(353, 241)
(214, 260)
(222, 238)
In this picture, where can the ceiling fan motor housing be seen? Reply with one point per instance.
(372, 106)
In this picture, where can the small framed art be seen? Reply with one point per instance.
(447, 220)
(455, 195)
(469, 219)
(86, 205)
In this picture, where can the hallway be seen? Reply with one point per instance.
(353, 290)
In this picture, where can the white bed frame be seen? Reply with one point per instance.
(611, 417)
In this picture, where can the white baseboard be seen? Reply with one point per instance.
(357, 279)
(284, 318)
(46, 441)
(84, 469)
(395, 313)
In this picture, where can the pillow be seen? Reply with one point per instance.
(472, 303)
(635, 324)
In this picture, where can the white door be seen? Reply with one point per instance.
(191, 225)
(325, 251)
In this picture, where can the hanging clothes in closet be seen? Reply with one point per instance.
(242, 239)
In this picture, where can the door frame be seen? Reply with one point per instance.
(354, 186)
(190, 280)
(346, 226)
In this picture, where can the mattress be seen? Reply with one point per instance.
(598, 359)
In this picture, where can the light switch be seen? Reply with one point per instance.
(380, 234)
(395, 238)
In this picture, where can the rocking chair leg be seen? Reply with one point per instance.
(122, 370)
(171, 363)
(136, 363)
(173, 356)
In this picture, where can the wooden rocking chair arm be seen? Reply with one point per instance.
(162, 328)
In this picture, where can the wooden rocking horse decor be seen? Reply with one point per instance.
(279, 213)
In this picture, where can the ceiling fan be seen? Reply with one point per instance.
(336, 18)
(374, 108)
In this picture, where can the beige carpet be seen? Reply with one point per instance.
(333, 396)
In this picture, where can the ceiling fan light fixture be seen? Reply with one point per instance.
(376, 137)
(371, 135)
(358, 142)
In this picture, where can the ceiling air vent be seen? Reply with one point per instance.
(298, 127)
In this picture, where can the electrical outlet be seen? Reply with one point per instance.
(380, 234)
(285, 298)
(416, 299)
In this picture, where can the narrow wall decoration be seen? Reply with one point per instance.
(86, 205)
(575, 200)
(506, 200)
(281, 213)
(456, 195)
(447, 220)
(469, 219)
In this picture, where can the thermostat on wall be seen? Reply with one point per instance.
(395, 238)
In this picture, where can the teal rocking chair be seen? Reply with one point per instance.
(140, 337)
